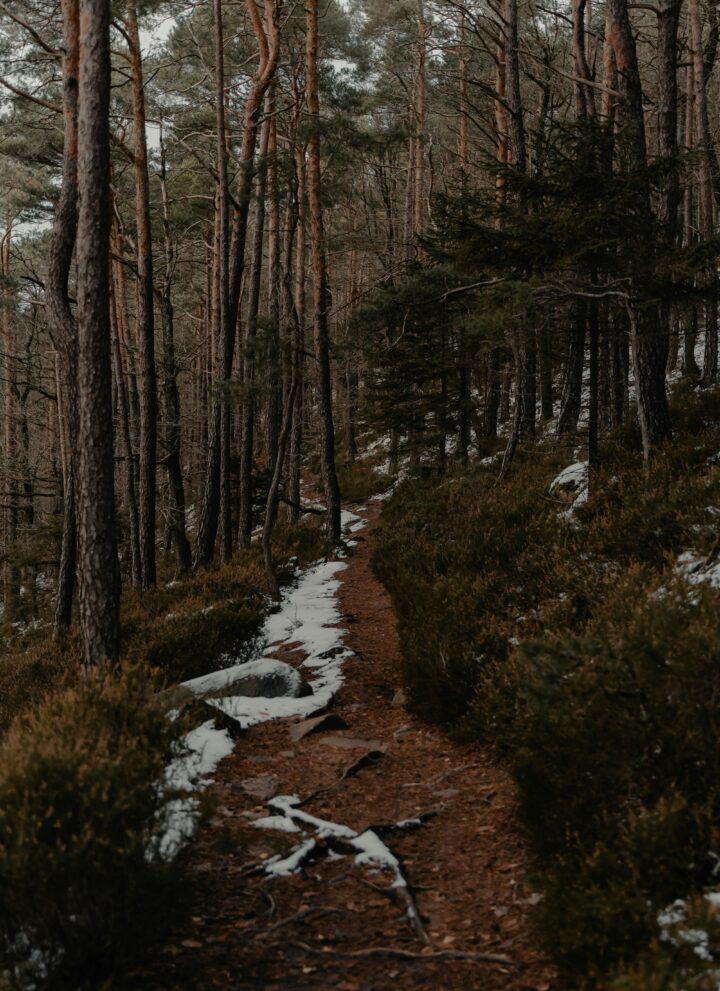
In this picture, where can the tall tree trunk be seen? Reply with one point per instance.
(63, 327)
(131, 503)
(649, 344)
(667, 131)
(295, 466)
(273, 398)
(273, 498)
(690, 366)
(547, 410)
(705, 187)
(321, 330)
(247, 444)
(97, 553)
(225, 336)
(464, 122)
(584, 101)
(267, 35)
(526, 351)
(145, 314)
(420, 123)
(570, 403)
(171, 395)
(11, 591)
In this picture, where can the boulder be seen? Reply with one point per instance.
(266, 678)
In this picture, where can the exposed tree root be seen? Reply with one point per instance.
(398, 954)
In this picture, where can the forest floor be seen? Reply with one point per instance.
(334, 925)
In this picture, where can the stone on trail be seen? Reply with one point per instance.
(264, 678)
(263, 787)
(318, 724)
(351, 743)
(367, 760)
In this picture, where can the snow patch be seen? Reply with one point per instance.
(573, 479)
(307, 619)
(280, 823)
(204, 748)
(692, 567)
(370, 849)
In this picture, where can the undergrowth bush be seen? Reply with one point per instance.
(304, 540)
(358, 481)
(183, 628)
(567, 641)
(81, 809)
(28, 676)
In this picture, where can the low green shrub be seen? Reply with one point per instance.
(304, 540)
(191, 640)
(615, 742)
(567, 642)
(28, 676)
(462, 565)
(182, 629)
(359, 481)
(81, 807)
(685, 954)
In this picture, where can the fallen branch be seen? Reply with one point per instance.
(299, 916)
(398, 954)
(441, 777)
(302, 509)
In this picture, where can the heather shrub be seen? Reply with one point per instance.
(183, 629)
(615, 742)
(359, 481)
(462, 563)
(28, 676)
(684, 954)
(81, 805)
(191, 640)
(566, 641)
(303, 541)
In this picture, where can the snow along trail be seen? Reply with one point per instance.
(307, 620)
(370, 848)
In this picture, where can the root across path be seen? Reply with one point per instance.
(367, 855)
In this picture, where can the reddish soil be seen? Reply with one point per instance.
(467, 866)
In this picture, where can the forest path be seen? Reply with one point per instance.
(312, 930)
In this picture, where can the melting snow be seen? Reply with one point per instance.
(692, 568)
(574, 478)
(307, 619)
(370, 848)
(280, 823)
(205, 747)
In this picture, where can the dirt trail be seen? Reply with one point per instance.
(467, 865)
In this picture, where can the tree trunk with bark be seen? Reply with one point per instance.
(649, 342)
(145, 314)
(63, 326)
(321, 330)
(97, 553)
